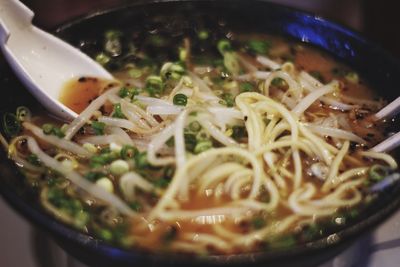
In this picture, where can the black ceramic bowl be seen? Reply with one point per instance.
(381, 71)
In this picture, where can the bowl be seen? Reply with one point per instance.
(381, 70)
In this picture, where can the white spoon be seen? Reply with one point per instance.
(394, 141)
(42, 62)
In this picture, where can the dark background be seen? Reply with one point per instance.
(377, 19)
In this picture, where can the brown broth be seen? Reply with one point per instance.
(77, 94)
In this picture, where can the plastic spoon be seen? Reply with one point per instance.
(42, 61)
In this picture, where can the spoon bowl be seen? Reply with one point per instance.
(41, 61)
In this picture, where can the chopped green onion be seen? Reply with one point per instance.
(203, 35)
(190, 141)
(228, 99)
(50, 129)
(119, 167)
(231, 63)
(23, 114)
(224, 46)
(106, 184)
(135, 73)
(81, 219)
(279, 82)
(169, 172)
(187, 81)
(229, 86)
(246, 87)
(113, 43)
(56, 196)
(258, 223)
(58, 132)
(182, 54)
(170, 142)
(202, 135)
(74, 206)
(123, 92)
(141, 160)
(282, 242)
(128, 152)
(378, 172)
(172, 70)
(136, 206)
(90, 147)
(105, 234)
(180, 99)
(33, 159)
(202, 146)
(11, 124)
(102, 59)
(194, 126)
(259, 47)
(110, 34)
(101, 160)
(47, 128)
(98, 127)
(352, 77)
(161, 183)
(353, 213)
(117, 113)
(154, 85)
(310, 232)
(128, 92)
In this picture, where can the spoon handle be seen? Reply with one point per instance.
(9, 10)
(390, 110)
(388, 144)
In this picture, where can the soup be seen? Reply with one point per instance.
(208, 143)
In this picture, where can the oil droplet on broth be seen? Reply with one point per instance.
(78, 94)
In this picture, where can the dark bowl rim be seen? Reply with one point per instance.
(64, 231)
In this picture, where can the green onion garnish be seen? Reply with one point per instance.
(117, 113)
(180, 100)
(228, 99)
(378, 172)
(224, 46)
(202, 146)
(98, 127)
(203, 35)
(11, 124)
(154, 85)
(194, 126)
(259, 47)
(102, 59)
(50, 129)
(23, 113)
(33, 159)
(246, 87)
(141, 160)
(128, 152)
(258, 223)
